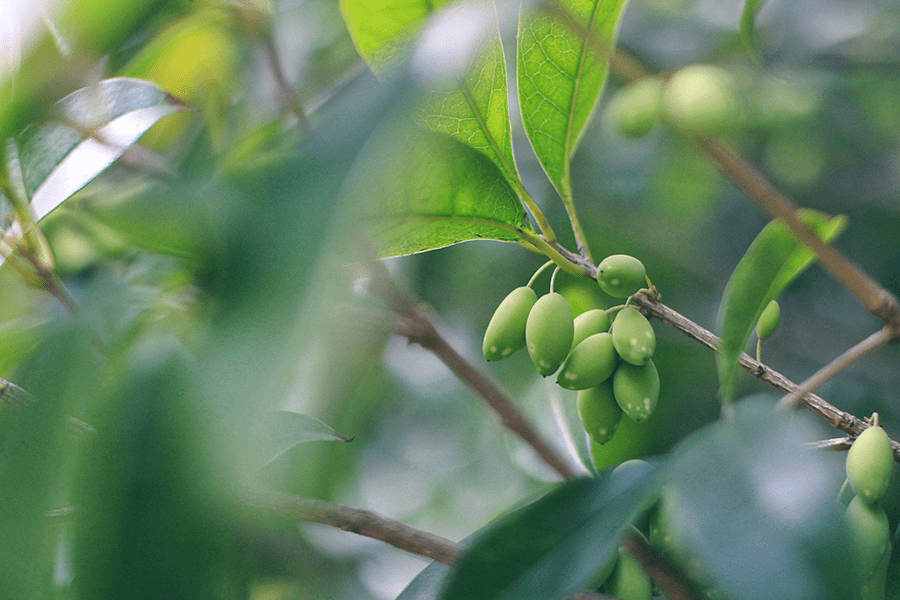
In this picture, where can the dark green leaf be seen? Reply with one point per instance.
(773, 260)
(756, 508)
(419, 191)
(555, 545)
(562, 67)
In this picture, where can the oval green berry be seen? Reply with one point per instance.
(636, 389)
(700, 99)
(589, 364)
(548, 332)
(633, 336)
(636, 108)
(621, 275)
(870, 463)
(869, 531)
(628, 580)
(590, 323)
(505, 333)
(768, 320)
(599, 412)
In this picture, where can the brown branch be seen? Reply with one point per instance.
(839, 419)
(661, 570)
(354, 520)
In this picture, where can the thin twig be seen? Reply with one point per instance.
(354, 520)
(837, 444)
(661, 570)
(877, 339)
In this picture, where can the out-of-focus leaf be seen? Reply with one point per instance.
(418, 191)
(755, 506)
(555, 545)
(561, 72)
(277, 431)
(773, 260)
(381, 28)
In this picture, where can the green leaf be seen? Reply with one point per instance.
(381, 29)
(417, 190)
(561, 73)
(753, 507)
(773, 260)
(278, 431)
(554, 546)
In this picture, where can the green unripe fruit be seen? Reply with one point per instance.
(628, 580)
(505, 334)
(636, 108)
(870, 533)
(621, 275)
(700, 99)
(633, 337)
(636, 389)
(590, 323)
(548, 332)
(599, 412)
(870, 463)
(589, 364)
(768, 320)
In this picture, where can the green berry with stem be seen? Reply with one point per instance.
(621, 275)
(548, 332)
(636, 108)
(628, 580)
(590, 323)
(700, 100)
(636, 389)
(599, 412)
(768, 320)
(505, 333)
(869, 531)
(633, 336)
(870, 464)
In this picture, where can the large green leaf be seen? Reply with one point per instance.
(562, 67)
(382, 28)
(752, 507)
(773, 260)
(419, 190)
(556, 545)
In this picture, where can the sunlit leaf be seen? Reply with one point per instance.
(773, 260)
(562, 66)
(754, 507)
(554, 546)
(419, 191)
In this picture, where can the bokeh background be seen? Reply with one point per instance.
(224, 286)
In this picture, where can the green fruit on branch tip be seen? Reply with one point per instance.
(869, 531)
(548, 332)
(621, 275)
(768, 320)
(628, 580)
(505, 333)
(870, 463)
(635, 109)
(589, 323)
(636, 389)
(700, 100)
(599, 412)
(589, 364)
(633, 336)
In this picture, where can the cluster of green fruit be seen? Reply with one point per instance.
(870, 463)
(607, 361)
(698, 100)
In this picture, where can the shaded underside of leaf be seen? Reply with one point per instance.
(561, 73)
(773, 260)
(382, 28)
(416, 190)
(553, 546)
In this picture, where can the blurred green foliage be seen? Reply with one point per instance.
(218, 279)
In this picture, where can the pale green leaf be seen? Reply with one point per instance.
(417, 190)
(774, 259)
(562, 67)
